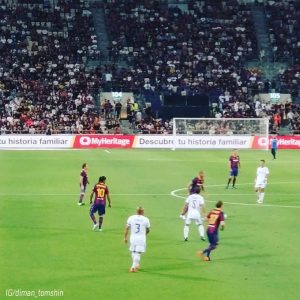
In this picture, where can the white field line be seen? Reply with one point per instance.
(174, 194)
(137, 195)
(107, 151)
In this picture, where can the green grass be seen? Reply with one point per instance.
(46, 241)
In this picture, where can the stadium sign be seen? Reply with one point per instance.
(92, 141)
(103, 141)
(36, 141)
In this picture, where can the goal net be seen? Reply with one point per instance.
(228, 132)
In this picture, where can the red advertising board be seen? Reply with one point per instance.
(287, 142)
(103, 141)
(284, 142)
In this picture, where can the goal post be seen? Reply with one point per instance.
(251, 133)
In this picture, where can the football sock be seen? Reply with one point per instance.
(233, 182)
(206, 252)
(93, 219)
(81, 198)
(201, 230)
(100, 222)
(210, 248)
(136, 259)
(186, 230)
(258, 196)
(229, 180)
(262, 195)
(132, 256)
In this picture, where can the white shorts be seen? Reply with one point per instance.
(260, 184)
(137, 246)
(193, 217)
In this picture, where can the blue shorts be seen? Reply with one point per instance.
(100, 208)
(213, 238)
(234, 172)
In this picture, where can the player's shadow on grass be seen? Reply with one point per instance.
(160, 271)
(177, 276)
(244, 257)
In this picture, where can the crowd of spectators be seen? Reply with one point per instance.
(176, 51)
(154, 126)
(290, 80)
(219, 127)
(46, 87)
(284, 28)
(44, 83)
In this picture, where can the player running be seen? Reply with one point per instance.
(234, 165)
(215, 218)
(197, 182)
(101, 194)
(83, 181)
(194, 207)
(139, 227)
(261, 180)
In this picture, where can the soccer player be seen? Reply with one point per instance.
(261, 179)
(197, 182)
(274, 147)
(234, 165)
(83, 181)
(139, 227)
(194, 206)
(215, 218)
(101, 194)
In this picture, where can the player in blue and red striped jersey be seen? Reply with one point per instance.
(234, 165)
(101, 193)
(83, 181)
(215, 218)
(197, 182)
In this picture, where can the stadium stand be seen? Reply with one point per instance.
(44, 82)
(156, 50)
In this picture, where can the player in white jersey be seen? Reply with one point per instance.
(139, 227)
(261, 180)
(193, 208)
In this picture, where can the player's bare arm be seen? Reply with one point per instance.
(109, 201)
(91, 197)
(126, 234)
(185, 209)
(222, 223)
(147, 230)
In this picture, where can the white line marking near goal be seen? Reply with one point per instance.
(107, 151)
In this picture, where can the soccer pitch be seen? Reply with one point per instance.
(46, 241)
